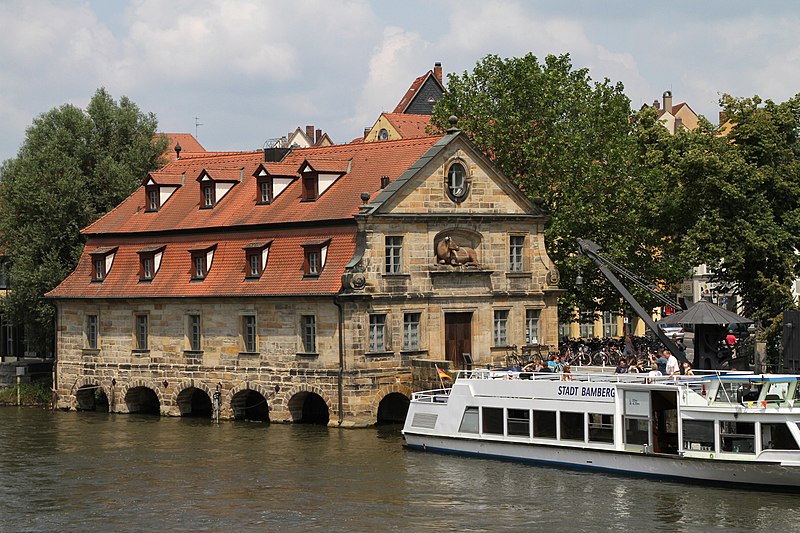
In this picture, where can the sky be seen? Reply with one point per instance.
(239, 72)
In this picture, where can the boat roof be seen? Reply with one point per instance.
(750, 378)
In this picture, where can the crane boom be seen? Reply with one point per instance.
(590, 250)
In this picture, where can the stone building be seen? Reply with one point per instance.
(303, 285)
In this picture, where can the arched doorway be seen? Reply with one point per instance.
(142, 400)
(393, 409)
(309, 408)
(91, 398)
(250, 405)
(194, 402)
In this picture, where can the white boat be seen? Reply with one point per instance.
(729, 429)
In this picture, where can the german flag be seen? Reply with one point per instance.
(442, 373)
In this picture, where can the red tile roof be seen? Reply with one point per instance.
(283, 274)
(407, 125)
(367, 163)
(237, 222)
(186, 140)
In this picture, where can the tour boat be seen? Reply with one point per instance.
(732, 429)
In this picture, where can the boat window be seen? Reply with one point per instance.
(636, 431)
(544, 424)
(469, 422)
(736, 391)
(737, 437)
(698, 435)
(519, 422)
(493, 420)
(777, 437)
(601, 428)
(572, 426)
(777, 391)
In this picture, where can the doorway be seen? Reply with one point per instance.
(457, 337)
(664, 420)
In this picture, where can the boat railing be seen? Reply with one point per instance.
(590, 377)
(431, 396)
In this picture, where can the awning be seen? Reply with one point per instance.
(704, 312)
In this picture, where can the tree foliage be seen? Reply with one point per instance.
(733, 202)
(568, 139)
(73, 167)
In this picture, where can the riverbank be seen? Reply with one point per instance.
(30, 395)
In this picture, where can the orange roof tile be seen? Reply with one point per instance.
(367, 163)
(283, 274)
(409, 126)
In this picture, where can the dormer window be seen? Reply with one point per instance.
(215, 184)
(208, 195)
(319, 175)
(149, 262)
(315, 254)
(102, 259)
(158, 188)
(310, 187)
(256, 254)
(202, 258)
(272, 179)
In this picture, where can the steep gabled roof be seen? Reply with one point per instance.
(364, 164)
(409, 126)
(415, 89)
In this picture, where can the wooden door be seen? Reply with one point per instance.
(457, 337)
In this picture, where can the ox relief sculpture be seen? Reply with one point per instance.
(450, 253)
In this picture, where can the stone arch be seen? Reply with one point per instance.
(391, 413)
(141, 383)
(187, 403)
(302, 407)
(90, 395)
(244, 404)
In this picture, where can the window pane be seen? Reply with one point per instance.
(194, 332)
(377, 325)
(469, 422)
(493, 420)
(309, 334)
(601, 428)
(515, 253)
(199, 266)
(394, 246)
(254, 261)
(544, 424)
(411, 331)
(777, 437)
(737, 437)
(519, 422)
(501, 327)
(532, 326)
(141, 332)
(249, 333)
(698, 435)
(91, 331)
(636, 431)
(313, 263)
(455, 180)
(572, 426)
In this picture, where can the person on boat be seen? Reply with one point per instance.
(687, 369)
(627, 351)
(622, 366)
(566, 375)
(555, 364)
(672, 367)
(633, 365)
(654, 373)
(661, 362)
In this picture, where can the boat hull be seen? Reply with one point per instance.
(773, 476)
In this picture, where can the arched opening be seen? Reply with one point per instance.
(393, 409)
(250, 405)
(142, 400)
(309, 408)
(91, 398)
(194, 402)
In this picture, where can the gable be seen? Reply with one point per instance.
(381, 124)
(425, 187)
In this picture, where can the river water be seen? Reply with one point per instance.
(68, 471)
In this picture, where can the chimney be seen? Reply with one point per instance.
(319, 137)
(366, 132)
(177, 150)
(310, 134)
(437, 71)
(384, 181)
(656, 105)
(667, 96)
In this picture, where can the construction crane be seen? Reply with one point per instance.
(592, 251)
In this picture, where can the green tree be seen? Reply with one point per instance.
(733, 202)
(73, 167)
(568, 139)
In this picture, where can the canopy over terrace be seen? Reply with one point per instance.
(704, 312)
